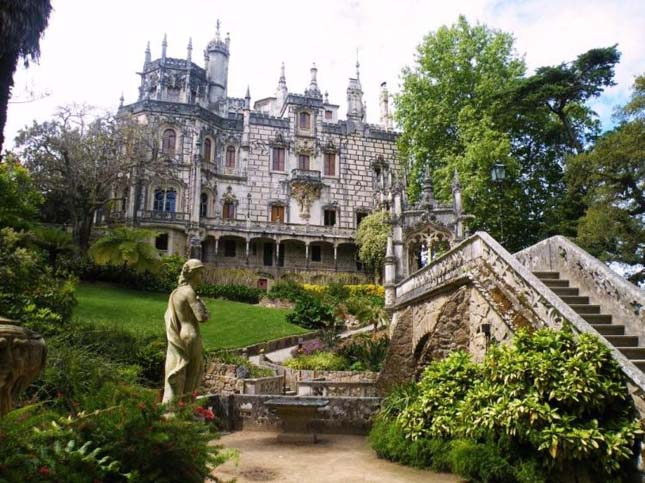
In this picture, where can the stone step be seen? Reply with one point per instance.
(597, 318)
(543, 275)
(555, 282)
(622, 340)
(640, 363)
(585, 308)
(574, 299)
(633, 352)
(609, 329)
(560, 291)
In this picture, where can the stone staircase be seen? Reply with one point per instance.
(628, 345)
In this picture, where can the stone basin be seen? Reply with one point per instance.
(296, 416)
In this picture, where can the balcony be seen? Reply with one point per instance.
(163, 216)
(305, 175)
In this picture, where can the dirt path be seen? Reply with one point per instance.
(338, 458)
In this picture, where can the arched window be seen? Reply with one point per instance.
(207, 150)
(304, 120)
(124, 199)
(230, 157)
(165, 200)
(203, 205)
(168, 142)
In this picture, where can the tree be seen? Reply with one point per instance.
(611, 177)
(79, 161)
(19, 198)
(22, 22)
(127, 248)
(371, 238)
(467, 105)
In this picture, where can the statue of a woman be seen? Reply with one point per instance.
(184, 364)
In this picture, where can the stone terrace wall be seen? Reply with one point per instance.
(343, 415)
(223, 378)
(294, 376)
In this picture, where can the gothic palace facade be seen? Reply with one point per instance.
(280, 185)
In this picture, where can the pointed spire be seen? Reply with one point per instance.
(248, 92)
(456, 184)
(217, 32)
(164, 46)
(313, 90)
(189, 51)
(121, 100)
(358, 65)
(148, 55)
(326, 97)
(283, 78)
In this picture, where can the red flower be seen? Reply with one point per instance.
(59, 394)
(205, 413)
(43, 470)
(194, 394)
(182, 404)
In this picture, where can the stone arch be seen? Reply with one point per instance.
(450, 333)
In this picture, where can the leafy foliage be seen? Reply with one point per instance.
(365, 353)
(322, 361)
(286, 290)
(310, 313)
(236, 293)
(371, 238)
(551, 403)
(19, 198)
(126, 248)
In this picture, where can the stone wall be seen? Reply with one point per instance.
(229, 379)
(294, 376)
(343, 415)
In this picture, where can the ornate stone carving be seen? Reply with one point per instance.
(305, 193)
(305, 146)
(22, 358)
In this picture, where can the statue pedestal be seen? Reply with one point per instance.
(22, 358)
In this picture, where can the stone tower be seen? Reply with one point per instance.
(216, 57)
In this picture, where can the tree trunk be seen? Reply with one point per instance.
(85, 231)
(8, 63)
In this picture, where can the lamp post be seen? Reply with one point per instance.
(498, 175)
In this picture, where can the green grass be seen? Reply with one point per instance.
(232, 324)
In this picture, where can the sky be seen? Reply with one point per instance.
(92, 49)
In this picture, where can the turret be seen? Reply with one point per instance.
(312, 90)
(189, 50)
(147, 57)
(281, 92)
(164, 47)
(355, 107)
(216, 56)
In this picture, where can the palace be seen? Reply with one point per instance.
(277, 186)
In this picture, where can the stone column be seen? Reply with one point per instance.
(335, 257)
(306, 254)
(248, 242)
(216, 250)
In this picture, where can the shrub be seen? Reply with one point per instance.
(323, 361)
(236, 293)
(550, 404)
(287, 290)
(311, 313)
(365, 352)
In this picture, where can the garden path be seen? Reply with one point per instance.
(337, 458)
(284, 354)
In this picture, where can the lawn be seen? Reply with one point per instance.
(232, 324)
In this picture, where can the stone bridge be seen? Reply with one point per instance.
(478, 293)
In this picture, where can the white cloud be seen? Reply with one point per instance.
(92, 50)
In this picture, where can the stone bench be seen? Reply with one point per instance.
(296, 416)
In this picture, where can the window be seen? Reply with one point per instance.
(277, 214)
(161, 242)
(229, 248)
(230, 157)
(304, 120)
(330, 217)
(303, 161)
(278, 159)
(207, 150)
(228, 212)
(165, 200)
(329, 115)
(330, 164)
(168, 142)
(280, 261)
(203, 205)
(124, 199)
(359, 217)
(316, 253)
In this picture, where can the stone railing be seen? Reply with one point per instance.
(334, 388)
(305, 174)
(617, 296)
(163, 216)
(226, 379)
(278, 229)
(484, 263)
